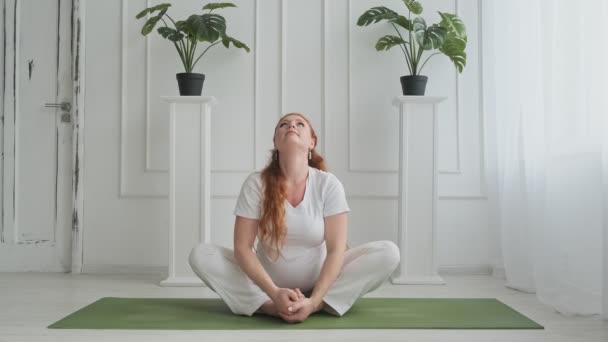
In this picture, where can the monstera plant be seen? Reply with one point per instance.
(207, 28)
(416, 40)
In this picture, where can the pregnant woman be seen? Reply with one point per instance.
(298, 213)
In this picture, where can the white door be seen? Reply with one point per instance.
(36, 164)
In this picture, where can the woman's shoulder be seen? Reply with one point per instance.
(323, 177)
(255, 175)
(253, 180)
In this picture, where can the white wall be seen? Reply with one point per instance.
(307, 56)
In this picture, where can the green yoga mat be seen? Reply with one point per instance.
(367, 313)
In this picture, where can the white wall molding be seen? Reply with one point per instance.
(481, 106)
(124, 269)
(473, 197)
(460, 270)
(318, 84)
(359, 170)
(283, 20)
(445, 270)
(254, 104)
(3, 92)
(256, 71)
(145, 185)
(464, 176)
(456, 169)
(129, 187)
(148, 167)
(498, 269)
(323, 132)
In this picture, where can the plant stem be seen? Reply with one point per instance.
(406, 61)
(181, 56)
(190, 48)
(420, 51)
(407, 57)
(412, 47)
(403, 48)
(201, 55)
(194, 43)
(174, 24)
(427, 59)
(179, 50)
(176, 29)
(186, 55)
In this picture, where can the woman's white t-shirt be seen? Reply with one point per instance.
(303, 251)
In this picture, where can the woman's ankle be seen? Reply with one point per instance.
(268, 308)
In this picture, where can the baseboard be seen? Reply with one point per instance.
(498, 272)
(41, 257)
(126, 269)
(485, 270)
(498, 268)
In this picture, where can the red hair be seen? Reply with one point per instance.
(272, 227)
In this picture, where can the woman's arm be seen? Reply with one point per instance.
(335, 240)
(245, 231)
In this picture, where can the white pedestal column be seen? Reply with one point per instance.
(417, 208)
(189, 181)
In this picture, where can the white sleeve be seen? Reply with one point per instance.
(248, 203)
(334, 198)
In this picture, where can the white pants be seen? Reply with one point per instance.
(365, 268)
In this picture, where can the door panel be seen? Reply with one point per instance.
(36, 137)
(37, 144)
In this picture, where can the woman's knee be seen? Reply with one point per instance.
(200, 255)
(390, 254)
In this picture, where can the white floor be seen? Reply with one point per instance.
(31, 301)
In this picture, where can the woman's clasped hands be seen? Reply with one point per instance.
(293, 306)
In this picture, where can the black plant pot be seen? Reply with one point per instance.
(190, 84)
(413, 85)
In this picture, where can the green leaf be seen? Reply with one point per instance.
(455, 42)
(152, 10)
(454, 47)
(182, 26)
(217, 5)
(454, 25)
(431, 37)
(414, 6)
(207, 27)
(149, 25)
(236, 43)
(387, 42)
(435, 36)
(170, 34)
(403, 22)
(428, 38)
(376, 14)
(459, 60)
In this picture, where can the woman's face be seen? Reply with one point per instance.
(293, 130)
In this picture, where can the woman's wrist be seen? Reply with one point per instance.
(317, 303)
(272, 293)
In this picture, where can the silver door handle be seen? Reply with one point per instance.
(65, 106)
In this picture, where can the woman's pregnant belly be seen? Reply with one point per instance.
(296, 267)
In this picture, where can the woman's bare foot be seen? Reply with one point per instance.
(268, 308)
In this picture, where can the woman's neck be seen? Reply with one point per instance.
(294, 168)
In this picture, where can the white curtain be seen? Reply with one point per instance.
(546, 105)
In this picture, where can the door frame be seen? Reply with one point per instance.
(78, 122)
(67, 244)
